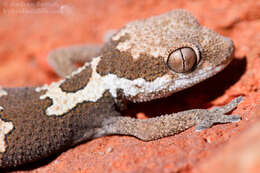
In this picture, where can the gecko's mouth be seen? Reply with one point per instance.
(186, 82)
(183, 82)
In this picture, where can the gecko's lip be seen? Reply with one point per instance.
(186, 82)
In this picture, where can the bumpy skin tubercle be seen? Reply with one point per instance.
(145, 60)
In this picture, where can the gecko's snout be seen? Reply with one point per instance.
(228, 50)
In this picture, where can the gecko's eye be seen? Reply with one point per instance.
(182, 60)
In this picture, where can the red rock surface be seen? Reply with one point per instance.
(29, 30)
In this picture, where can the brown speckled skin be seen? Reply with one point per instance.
(123, 65)
(26, 111)
(74, 84)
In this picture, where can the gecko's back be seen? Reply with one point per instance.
(28, 134)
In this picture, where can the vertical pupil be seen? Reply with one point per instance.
(183, 60)
(189, 58)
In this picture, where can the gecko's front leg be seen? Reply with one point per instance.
(167, 125)
(64, 60)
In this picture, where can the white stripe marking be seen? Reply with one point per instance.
(2, 92)
(96, 87)
(5, 128)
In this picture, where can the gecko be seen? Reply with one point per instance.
(146, 59)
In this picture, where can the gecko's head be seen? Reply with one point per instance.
(164, 54)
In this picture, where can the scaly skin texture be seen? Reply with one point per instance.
(137, 64)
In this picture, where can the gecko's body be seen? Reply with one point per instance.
(145, 60)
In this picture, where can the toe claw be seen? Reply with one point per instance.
(235, 118)
(239, 99)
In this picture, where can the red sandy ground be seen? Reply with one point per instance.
(28, 35)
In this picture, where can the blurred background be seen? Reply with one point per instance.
(30, 29)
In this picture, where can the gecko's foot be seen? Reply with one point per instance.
(216, 115)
